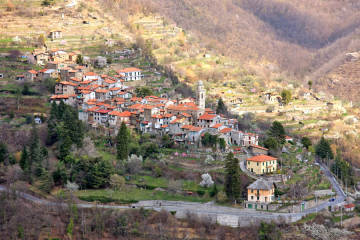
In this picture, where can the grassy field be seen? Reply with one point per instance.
(129, 195)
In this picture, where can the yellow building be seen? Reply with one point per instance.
(260, 194)
(261, 164)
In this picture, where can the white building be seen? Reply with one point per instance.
(131, 74)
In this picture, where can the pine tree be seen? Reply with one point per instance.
(221, 108)
(54, 111)
(323, 149)
(65, 148)
(24, 161)
(35, 152)
(232, 178)
(61, 110)
(73, 127)
(122, 143)
(278, 132)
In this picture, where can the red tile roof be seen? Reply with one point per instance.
(120, 114)
(103, 111)
(216, 125)
(225, 130)
(90, 74)
(129, 70)
(207, 116)
(261, 158)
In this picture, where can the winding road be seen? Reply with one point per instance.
(223, 215)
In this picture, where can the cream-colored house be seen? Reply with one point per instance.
(260, 194)
(261, 164)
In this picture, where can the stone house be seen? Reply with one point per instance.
(30, 75)
(260, 194)
(258, 150)
(56, 34)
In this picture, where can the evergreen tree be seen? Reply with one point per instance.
(4, 153)
(26, 89)
(221, 108)
(52, 136)
(222, 144)
(232, 178)
(46, 182)
(65, 148)
(271, 143)
(278, 132)
(35, 151)
(54, 111)
(24, 161)
(73, 126)
(80, 59)
(122, 143)
(323, 149)
(306, 142)
(60, 176)
(61, 110)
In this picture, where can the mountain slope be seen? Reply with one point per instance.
(305, 38)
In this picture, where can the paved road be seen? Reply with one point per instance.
(223, 215)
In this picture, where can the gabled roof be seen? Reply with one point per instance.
(93, 109)
(261, 158)
(120, 114)
(259, 147)
(32, 71)
(207, 116)
(88, 74)
(132, 69)
(225, 130)
(157, 116)
(68, 83)
(101, 90)
(168, 115)
(216, 125)
(261, 184)
(103, 111)
(62, 96)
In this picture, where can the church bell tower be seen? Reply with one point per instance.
(200, 95)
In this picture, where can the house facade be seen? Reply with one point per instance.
(131, 74)
(261, 164)
(259, 194)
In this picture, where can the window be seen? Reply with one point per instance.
(257, 164)
(258, 198)
(252, 197)
(252, 190)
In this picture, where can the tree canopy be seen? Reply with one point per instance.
(286, 96)
(123, 143)
(323, 149)
(277, 131)
(232, 177)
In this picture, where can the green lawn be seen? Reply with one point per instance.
(151, 182)
(134, 195)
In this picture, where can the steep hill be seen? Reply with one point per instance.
(306, 39)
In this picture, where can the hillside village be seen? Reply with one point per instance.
(187, 135)
(105, 102)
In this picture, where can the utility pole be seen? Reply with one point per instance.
(341, 216)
